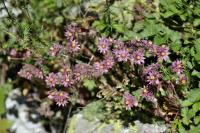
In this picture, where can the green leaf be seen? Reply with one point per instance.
(2, 102)
(196, 119)
(90, 84)
(192, 97)
(159, 39)
(167, 14)
(194, 129)
(99, 25)
(175, 36)
(137, 94)
(196, 73)
(4, 125)
(138, 26)
(94, 110)
(186, 103)
(58, 20)
(185, 113)
(196, 107)
(197, 45)
(189, 64)
(176, 46)
(197, 57)
(196, 22)
(118, 27)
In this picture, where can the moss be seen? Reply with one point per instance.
(94, 110)
(101, 127)
(72, 125)
(117, 126)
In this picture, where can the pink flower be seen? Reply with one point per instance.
(151, 68)
(162, 53)
(60, 97)
(103, 45)
(73, 46)
(129, 101)
(99, 68)
(154, 49)
(108, 62)
(148, 95)
(138, 57)
(27, 53)
(54, 50)
(13, 52)
(66, 69)
(182, 80)
(153, 78)
(66, 80)
(119, 44)
(82, 70)
(38, 74)
(122, 54)
(70, 32)
(177, 67)
(25, 73)
(51, 79)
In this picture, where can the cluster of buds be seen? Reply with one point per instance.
(25, 53)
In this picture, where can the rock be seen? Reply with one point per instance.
(79, 124)
(20, 117)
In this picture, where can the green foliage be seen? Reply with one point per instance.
(90, 84)
(192, 97)
(2, 103)
(4, 90)
(4, 125)
(94, 110)
(189, 113)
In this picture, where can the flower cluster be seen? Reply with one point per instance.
(103, 66)
(29, 71)
(113, 51)
(72, 46)
(70, 32)
(25, 53)
(178, 68)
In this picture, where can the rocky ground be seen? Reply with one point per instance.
(26, 114)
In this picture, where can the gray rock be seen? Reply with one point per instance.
(79, 124)
(21, 124)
